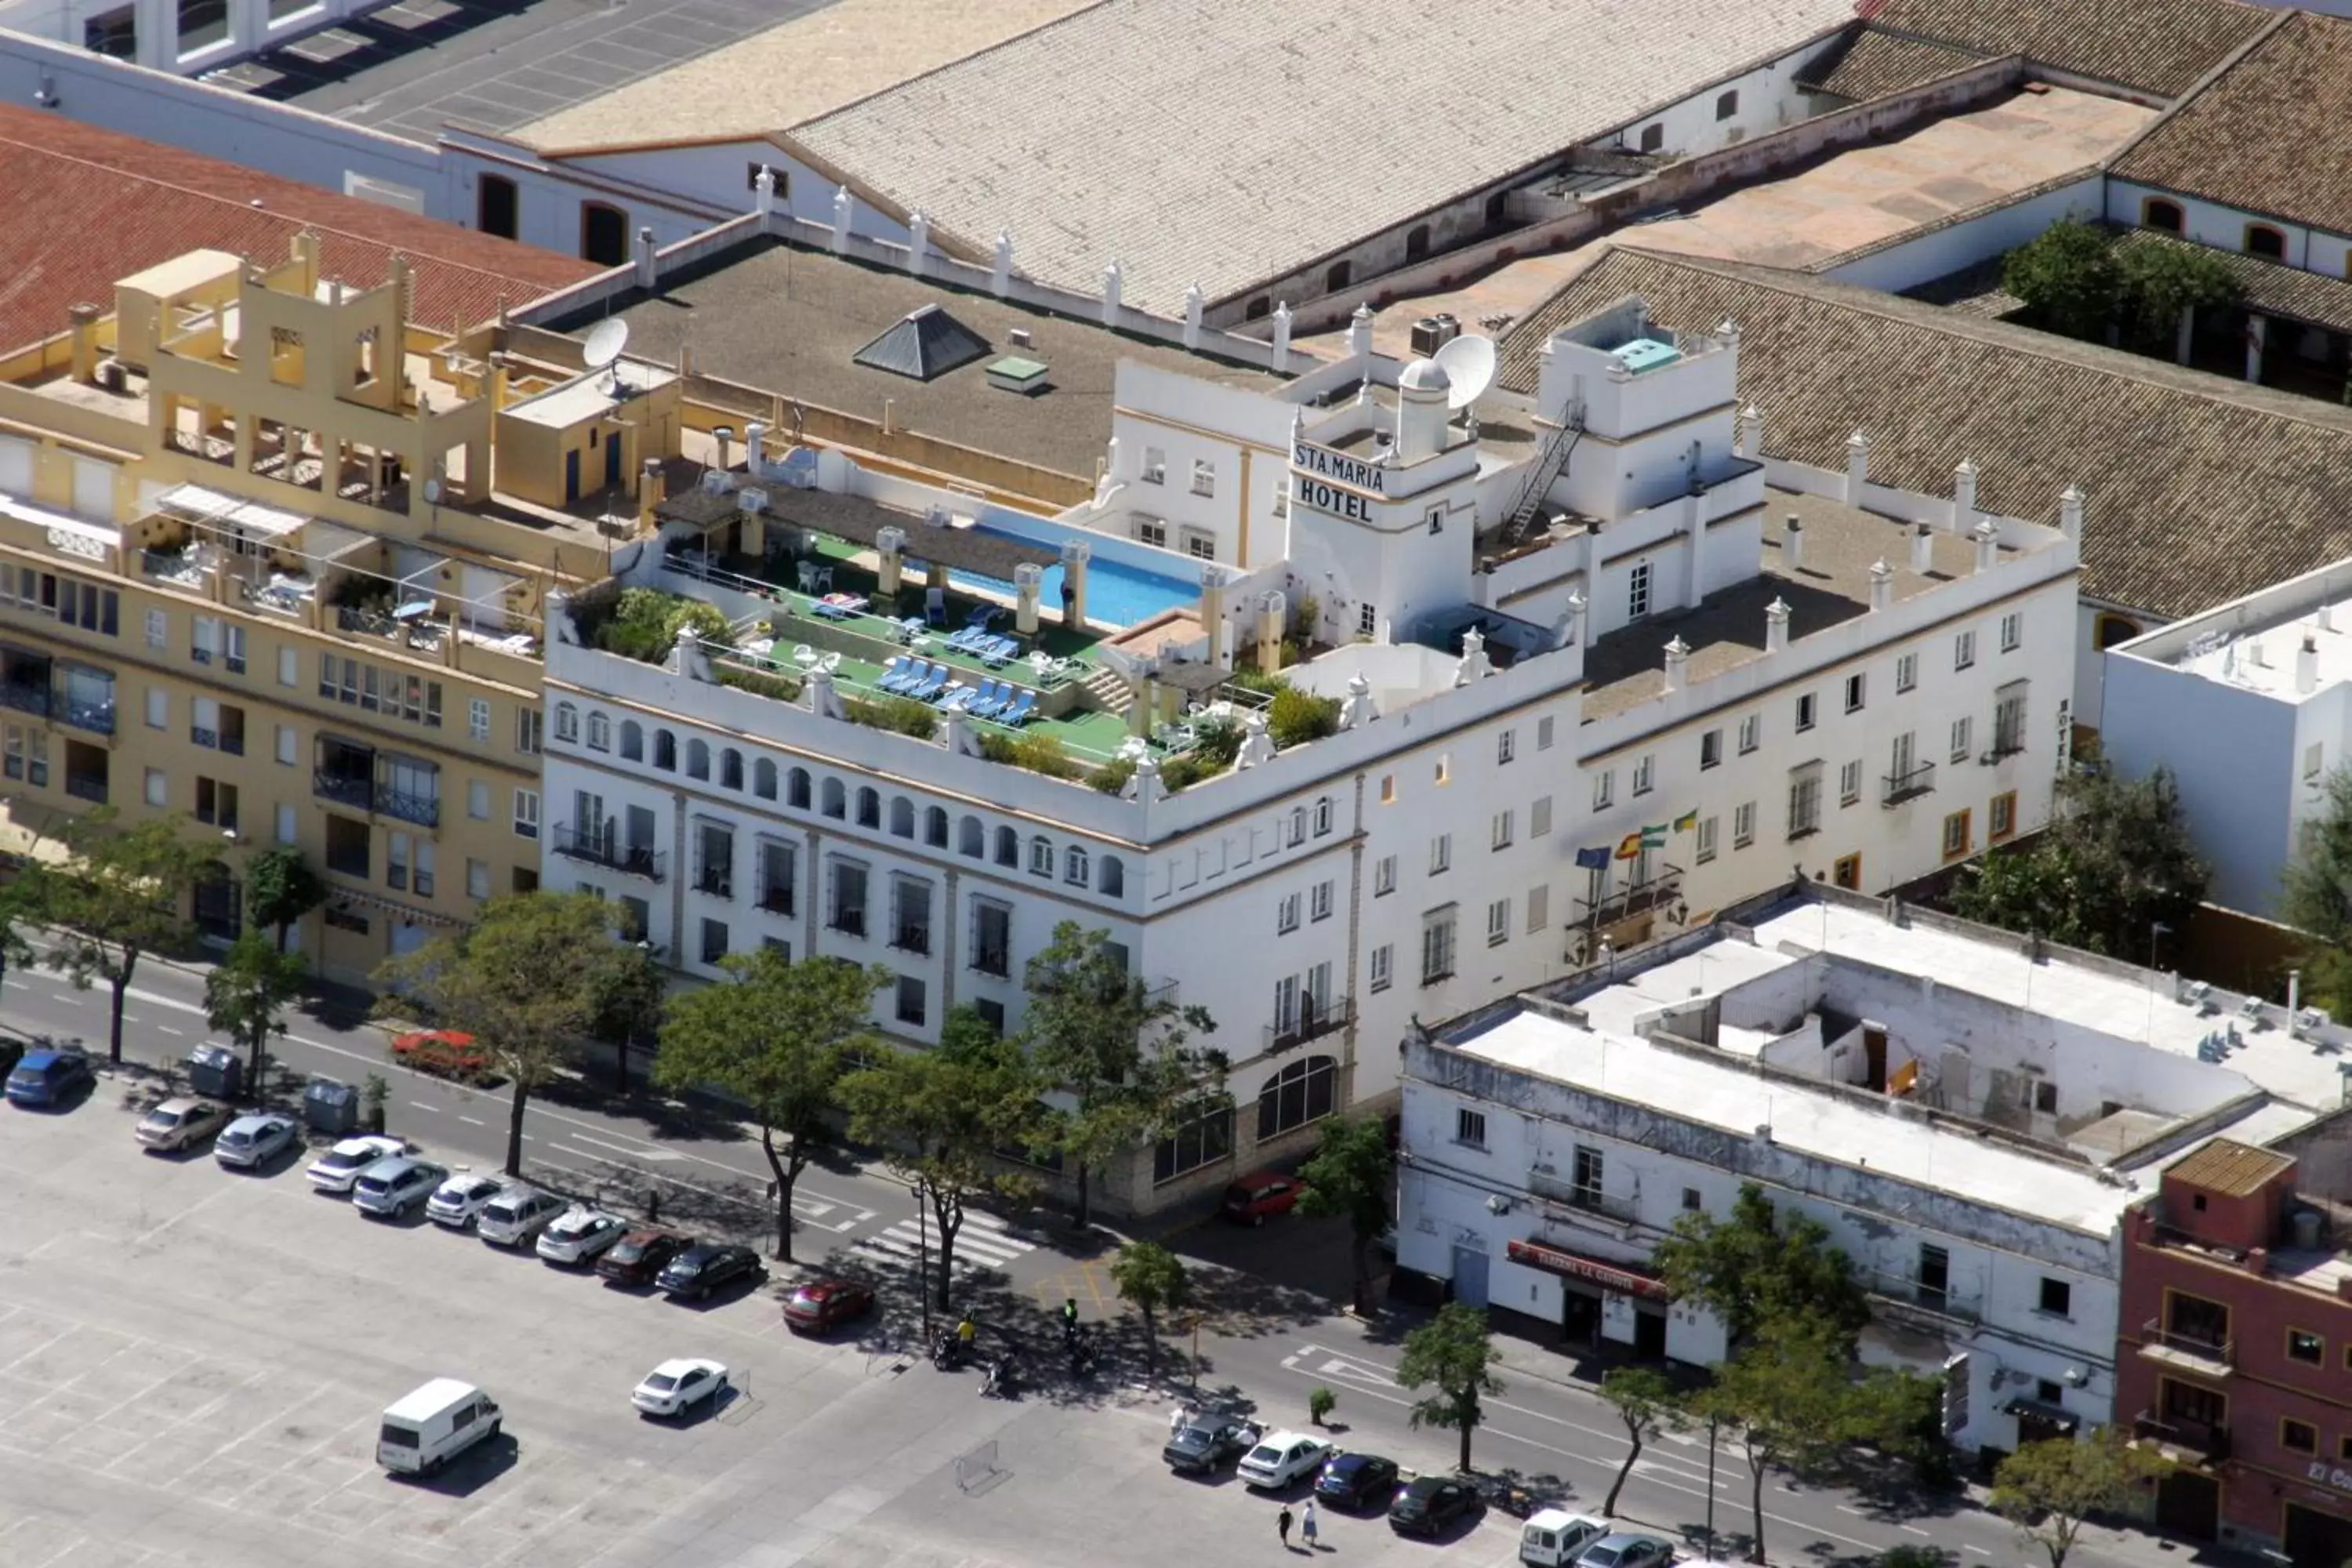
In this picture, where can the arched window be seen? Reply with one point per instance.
(599, 732)
(1302, 1092)
(2261, 240)
(1260, 307)
(730, 768)
(1074, 870)
(1336, 277)
(869, 807)
(2111, 629)
(633, 741)
(971, 838)
(902, 817)
(835, 798)
(763, 778)
(1008, 847)
(604, 233)
(935, 827)
(567, 722)
(796, 790)
(1417, 242)
(1297, 824)
(698, 759)
(1110, 877)
(2158, 213)
(497, 208)
(1041, 857)
(666, 751)
(1322, 816)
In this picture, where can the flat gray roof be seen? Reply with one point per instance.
(787, 320)
(1231, 142)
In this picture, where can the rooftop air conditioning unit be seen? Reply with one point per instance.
(1432, 334)
(1022, 338)
(2311, 1020)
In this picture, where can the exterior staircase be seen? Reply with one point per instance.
(1106, 689)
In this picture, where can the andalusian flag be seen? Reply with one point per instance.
(1629, 846)
(1655, 837)
(1686, 822)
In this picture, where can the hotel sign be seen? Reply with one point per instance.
(1338, 466)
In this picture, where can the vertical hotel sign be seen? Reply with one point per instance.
(1332, 481)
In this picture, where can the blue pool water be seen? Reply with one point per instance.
(1117, 594)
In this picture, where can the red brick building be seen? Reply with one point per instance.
(2235, 1354)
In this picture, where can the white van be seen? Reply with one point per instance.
(434, 1425)
(1554, 1538)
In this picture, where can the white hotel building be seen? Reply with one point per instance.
(1601, 668)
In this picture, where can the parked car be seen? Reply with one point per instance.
(46, 1080)
(578, 1235)
(1554, 1538)
(397, 1187)
(339, 1167)
(1207, 1444)
(516, 1216)
(706, 1266)
(180, 1123)
(676, 1387)
(444, 1053)
(253, 1141)
(1282, 1458)
(1626, 1551)
(1429, 1503)
(1364, 1481)
(638, 1258)
(823, 1304)
(461, 1197)
(434, 1425)
(1249, 1200)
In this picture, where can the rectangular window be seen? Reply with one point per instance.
(914, 1004)
(158, 789)
(1637, 591)
(1499, 833)
(1956, 835)
(1710, 750)
(846, 912)
(1543, 734)
(526, 814)
(2305, 1346)
(289, 747)
(2003, 816)
(1437, 946)
(1907, 671)
(1384, 876)
(1388, 789)
(478, 717)
(1850, 783)
(1498, 922)
(1538, 908)
(779, 876)
(477, 800)
(159, 707)
(1383, 962)
(395, 863)
(2009, 721)
(1964, 652)
(1368, 619)
(1203, 1142)
(288, 827)
(1285, 914)
(203, 638)
(1743, 825)
(991, 938)
(233, 648)
(1804, 802)
(1539, 816)
(1588, 1177)
(1751, 729)
(1645, 773)
(478, 878)
(1151, 530)
(1854, 694)
(714, 941)
(423, 882)
(1470, 1127)
(1705, 845)
(1507, 746)
(2012, 631)
(2300, 1436)
(2314, 755)
(529, 736)
(910, 914)
(289, 667)
(1441, 854)
(714, 859)
(1807, 706)
(1318, 902)
(1604, 789)
(159, 628)
(1204, 478)
(1155, 466)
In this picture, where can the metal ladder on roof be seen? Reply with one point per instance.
(1557, 449)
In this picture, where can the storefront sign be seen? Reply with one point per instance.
(1576, 1265)
(1326, 464)
(2323, 1472)
(1328, 498)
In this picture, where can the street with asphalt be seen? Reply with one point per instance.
(1269, 1330)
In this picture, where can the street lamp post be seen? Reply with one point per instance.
(1710, 1488)
(923, 1268)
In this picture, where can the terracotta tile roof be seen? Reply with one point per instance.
(2276, 289)
(2198, 489)
(2157, 47)
(2230, 1168)
(1870, 64)
(86, 206)
(2271, 134)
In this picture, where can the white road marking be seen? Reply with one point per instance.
(472, 1120)
(167, 1030)
(420, 1105)
(1914, 1530)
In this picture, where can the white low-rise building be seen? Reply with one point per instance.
(1595, 666)
(1968, 1116)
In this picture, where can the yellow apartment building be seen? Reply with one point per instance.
(258, 564)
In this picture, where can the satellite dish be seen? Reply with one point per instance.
(605, 342)
(1469, 364)
(432, 491)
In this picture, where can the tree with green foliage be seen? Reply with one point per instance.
(1646, 1402)
(1152, 1280)
(1296, 717)
(2316, 898)
(123, 894)
(942, 1116)
(245, 996)
(2159, 280)
(1120, 1051)
(1758, 1267)
(1352, 1176)
(2066, 276)
(21, 898)
(523, 980)
(2050, 1489)
(775, 1036)
(1787, 1396)
(280, 888)
(2116, 862)
(631, 996)
(1453, 1357)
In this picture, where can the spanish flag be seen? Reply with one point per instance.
(1630, 847)
(1686, 822)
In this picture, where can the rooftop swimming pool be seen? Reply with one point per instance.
(1117, 594)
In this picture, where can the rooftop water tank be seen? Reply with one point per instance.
(1647, 353)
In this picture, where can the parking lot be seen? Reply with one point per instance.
(192, 1364)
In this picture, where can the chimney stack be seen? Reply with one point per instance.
(1577, 606)
(918, 242)
(1988, 540)
(845, 209)
(1000, 276)
(1195, 301)
(1776, 626)
(2070, 513)
(1792, 546)
(85, 343)
(1678, 661)
(755, 447)
(1751, 433)
(1858, 467)
(1279, 360)
(1964, 496)
(1112, 276)
(1360, 332)
(1923, 549)
(2306, 666)
(648, 269)
(1881, 586)
(764, 185)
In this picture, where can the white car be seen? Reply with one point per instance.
(396, 1188)
(253, 1141)
(516, 1217)
(1282, 1458)
(339, 1167)
(677, 1386)
(579, 1235)
(461, 1197)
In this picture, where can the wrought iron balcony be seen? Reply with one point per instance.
(599, 848)
(718, 884)
(912, 939)
(996, 960)
(1625, 903)
(94, 714)
(355, 791)
(209, 739)
(1900, 787)
(777, 901)
(850, 922)
(87, 786)
(1584, 1198)
(1315, 1020)
(423, 810)
(1905, 1296)
(2201, 1439)
(2213, 1355)
(26, 698)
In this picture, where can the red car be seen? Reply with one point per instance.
(1259, 1195)
(823, 1304)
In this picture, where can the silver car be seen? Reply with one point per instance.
(461, 1197)
(253, 1141)
(517, 1215)
(396, 1187)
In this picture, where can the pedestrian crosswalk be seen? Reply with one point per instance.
(984, 1244)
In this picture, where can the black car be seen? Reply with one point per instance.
(704, 1268)
(1430, 1504)
(638, 1258)
(1358, 1481)
(1207, 1443)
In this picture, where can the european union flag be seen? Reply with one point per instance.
(1593, 859)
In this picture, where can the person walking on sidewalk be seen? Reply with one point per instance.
(1307, 1525)
(1282, 1526)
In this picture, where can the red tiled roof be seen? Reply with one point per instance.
(86, 206)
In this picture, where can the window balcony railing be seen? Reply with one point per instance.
(26, 698)
(1314, 1020)
(1903, 1293)
(2200, 1439)
(604, 849)
(94, 714)
(718, 884)
(1906, 785)
(776, 900)
(423, 810)
(187, 567)
(2174, 1345)
(208, 739)
(1584, 1197)
(995, 961)
(1625, 903)
(912, 939)
(233, 742)
(343, 789)
(87, 786)
(849, 922)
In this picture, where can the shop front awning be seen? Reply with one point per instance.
(2056, 1416)
(1598, 1272)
